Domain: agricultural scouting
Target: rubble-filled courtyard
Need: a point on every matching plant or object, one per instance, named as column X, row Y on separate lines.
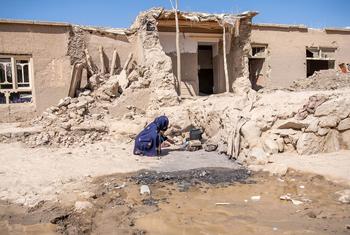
column 266, row 159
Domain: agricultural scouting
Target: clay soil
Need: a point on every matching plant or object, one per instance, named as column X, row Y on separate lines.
column 201, row 201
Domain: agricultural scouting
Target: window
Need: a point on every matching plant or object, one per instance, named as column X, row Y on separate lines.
column 320, row 53
column 15, row 79
column 258, row 51
column 319, row 58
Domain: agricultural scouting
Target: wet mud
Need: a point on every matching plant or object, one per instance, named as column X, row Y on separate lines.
column 201, row 201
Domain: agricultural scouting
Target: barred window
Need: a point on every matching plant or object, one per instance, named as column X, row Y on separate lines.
column 15, row 79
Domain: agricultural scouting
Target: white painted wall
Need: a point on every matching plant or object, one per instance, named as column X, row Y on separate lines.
column 168, row 42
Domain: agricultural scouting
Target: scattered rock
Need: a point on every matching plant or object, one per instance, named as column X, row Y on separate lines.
column 313, row 127
column 144, row 189
column 255, row 198
column 210, row 147
column 257, row 156
column 322, row 131
column 292, row 124
column 309, row 143
column 270, row 145
column 328, row 121
column 345, row 139
column 311, row 214
column 81, row 206
column 344, row 196
column 344, row 124
column 337, row 107
column 331, row 141
column 251, row 132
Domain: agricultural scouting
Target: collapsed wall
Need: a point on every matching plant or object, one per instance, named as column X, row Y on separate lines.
column 96, row 87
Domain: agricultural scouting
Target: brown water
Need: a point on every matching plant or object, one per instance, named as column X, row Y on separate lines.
column 195, row 211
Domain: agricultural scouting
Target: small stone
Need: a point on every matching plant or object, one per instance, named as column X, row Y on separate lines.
column 64, row 102
column 344, row 196
column 270, row 145
column 80, row 206
column 257, row 156
column 86, row 92
column 311, row 214
column 296, row 202
column 322, row 131
column 255, row 198
column 144, row 189
column 344, row 124
column 328, row 121
column 81, row 104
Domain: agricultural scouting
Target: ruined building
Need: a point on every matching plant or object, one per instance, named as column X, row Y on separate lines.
column 39, row 61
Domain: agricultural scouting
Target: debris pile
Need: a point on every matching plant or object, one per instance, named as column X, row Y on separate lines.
column 321, row 125
column 323, row 80
column 77, row 120
column 305, row 123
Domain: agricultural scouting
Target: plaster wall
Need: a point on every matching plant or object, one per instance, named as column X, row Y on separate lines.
column 47, row 46
column 189, row 58
column 286, row 60
column 109, row 43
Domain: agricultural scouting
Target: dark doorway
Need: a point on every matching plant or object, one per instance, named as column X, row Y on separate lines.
column 205, row 70
column 255, row 72
column 317, row 65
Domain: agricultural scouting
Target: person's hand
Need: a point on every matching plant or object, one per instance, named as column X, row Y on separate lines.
column 165, row 144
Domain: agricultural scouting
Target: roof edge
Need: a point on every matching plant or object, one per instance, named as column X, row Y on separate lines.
column 34, row 22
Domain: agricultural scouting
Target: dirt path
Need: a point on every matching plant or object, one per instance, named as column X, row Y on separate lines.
column 334, row 166
column 29, row 175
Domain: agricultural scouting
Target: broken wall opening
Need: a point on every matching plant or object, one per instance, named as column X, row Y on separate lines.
column 256, row 66
column 316, row 65
column 319, row 58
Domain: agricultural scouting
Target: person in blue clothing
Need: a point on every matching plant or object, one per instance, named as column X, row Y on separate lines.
column 149, row 141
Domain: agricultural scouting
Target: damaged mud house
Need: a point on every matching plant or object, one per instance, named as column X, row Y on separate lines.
column 78, row 84
column 261, row 96
column 40, row 60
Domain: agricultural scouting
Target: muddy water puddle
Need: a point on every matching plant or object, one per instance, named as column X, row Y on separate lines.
column 203, row 201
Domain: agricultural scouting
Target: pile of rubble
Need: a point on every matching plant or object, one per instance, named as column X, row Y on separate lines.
column 78, row 120
column 282, row 121
column 323, row 80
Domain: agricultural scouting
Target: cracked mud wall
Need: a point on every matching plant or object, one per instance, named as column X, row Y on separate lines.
column 237, row 59
column 53, row 50
column 287, row 46
column 47, row 46
column 152, row 56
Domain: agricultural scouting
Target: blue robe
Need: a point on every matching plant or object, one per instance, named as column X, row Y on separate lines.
column 148, row 141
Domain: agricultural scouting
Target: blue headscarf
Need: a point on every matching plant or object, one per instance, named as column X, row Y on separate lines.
column 162, row 123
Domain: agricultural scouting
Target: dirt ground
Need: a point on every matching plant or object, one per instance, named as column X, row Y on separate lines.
column 77, row 191
column 29, row 175
column 203, row 201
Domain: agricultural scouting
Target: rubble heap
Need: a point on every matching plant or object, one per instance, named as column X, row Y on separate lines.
column 323, row 80
column 282, row 121
column 78, row 120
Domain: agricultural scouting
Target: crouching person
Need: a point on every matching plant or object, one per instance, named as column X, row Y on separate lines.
column 149, row 141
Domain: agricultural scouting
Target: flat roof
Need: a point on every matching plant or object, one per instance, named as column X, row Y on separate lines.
column 33, row 22
column 282, row 26
column 299, row 27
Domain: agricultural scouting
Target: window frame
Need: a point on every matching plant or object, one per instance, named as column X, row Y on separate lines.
column 15, row 88
column 320, row 53
column 258, row 45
